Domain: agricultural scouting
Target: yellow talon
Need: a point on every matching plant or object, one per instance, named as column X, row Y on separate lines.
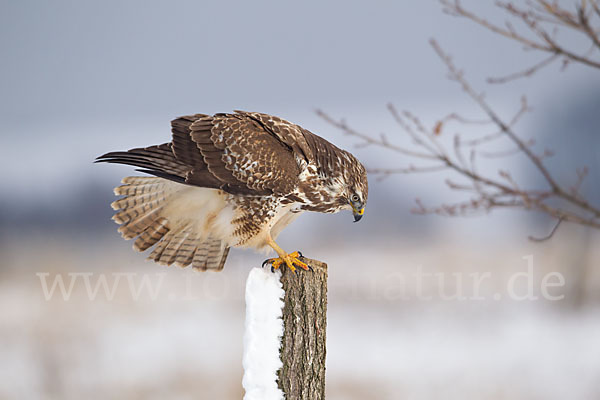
column 291, row 260
column 275, row 262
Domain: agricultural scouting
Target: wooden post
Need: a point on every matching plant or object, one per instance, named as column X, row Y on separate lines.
column 302, row 352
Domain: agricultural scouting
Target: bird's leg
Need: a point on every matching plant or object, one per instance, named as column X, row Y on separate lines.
column 291, row 260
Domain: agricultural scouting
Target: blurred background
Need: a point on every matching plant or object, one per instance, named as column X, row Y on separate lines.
column 81, row 78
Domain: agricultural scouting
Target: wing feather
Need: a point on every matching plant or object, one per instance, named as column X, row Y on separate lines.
column 242, row 153
column 156, row 160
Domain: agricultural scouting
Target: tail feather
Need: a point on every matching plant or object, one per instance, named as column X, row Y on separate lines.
column 185, row 255
column 211, row 255
column 223, row 259
column 134, row 208
column 156, row 254
column 151, row 235
column 136, row 223
column 133, row 201
column 144, row 214
column 169, row 255
column 199, row 260
column 139, row 185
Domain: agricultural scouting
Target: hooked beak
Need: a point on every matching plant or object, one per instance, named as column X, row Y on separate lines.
column 358, row 214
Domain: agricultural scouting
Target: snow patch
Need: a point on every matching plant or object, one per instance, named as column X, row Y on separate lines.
column 262, row 335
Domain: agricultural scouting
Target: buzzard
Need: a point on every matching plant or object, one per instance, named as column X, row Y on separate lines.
column 231, row 180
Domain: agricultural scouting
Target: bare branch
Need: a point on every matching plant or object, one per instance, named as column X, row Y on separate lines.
column 539, row 13
column 489, row 192
column 549, row 235
column 368, row 140
column 505, row 153
column 458, row 76
column 581, row 175
column 524, row 73
column 408, row 170
column 505, row 128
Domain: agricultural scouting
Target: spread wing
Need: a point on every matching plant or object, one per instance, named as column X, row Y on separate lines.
column 242, row 153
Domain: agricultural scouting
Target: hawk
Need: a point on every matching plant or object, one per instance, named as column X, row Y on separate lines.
column 231, row 180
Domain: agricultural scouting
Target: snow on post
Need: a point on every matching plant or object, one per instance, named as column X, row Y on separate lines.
column 262, row 335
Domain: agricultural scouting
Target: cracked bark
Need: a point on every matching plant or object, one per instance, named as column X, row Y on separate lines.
column 304, row 326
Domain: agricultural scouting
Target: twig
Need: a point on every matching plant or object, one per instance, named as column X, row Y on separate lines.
column 524, row 73
column 549, row 235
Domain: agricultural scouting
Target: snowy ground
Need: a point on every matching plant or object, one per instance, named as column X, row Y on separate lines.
column 184, row 340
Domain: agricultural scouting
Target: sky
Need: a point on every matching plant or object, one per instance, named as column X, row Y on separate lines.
column 80, row 78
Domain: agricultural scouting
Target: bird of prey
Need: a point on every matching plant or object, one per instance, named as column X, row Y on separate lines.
column 231, row 180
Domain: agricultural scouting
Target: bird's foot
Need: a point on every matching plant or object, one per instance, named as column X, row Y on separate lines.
column 292, row 261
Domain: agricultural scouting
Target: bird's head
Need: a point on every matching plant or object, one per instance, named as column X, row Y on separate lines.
column 357, row 190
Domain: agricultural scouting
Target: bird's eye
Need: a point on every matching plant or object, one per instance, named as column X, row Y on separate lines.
column 354, row 198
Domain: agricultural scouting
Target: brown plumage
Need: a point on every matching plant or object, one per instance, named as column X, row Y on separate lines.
column 230, row 180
